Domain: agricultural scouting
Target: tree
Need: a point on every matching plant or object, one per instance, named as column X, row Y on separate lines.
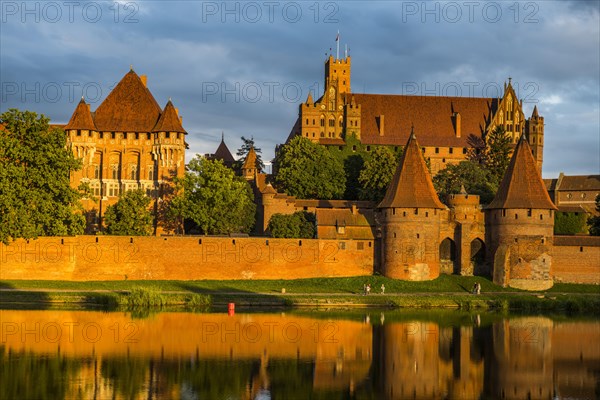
column 299, row 225
column 242, row 152
column 377, row 174
column 308, row 171
column 217, row 200
column 594, row 222
column 495, row 156
column 474, row 177
column 130, row 215
column 36, row 198
column 569, row 223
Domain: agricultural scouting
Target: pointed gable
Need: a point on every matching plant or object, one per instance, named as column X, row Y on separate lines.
column 130, row 107
column 250, row 161
column 223, row 153
column 522, row 185
column 411, row 186
column 169, row 120
column 81, row 118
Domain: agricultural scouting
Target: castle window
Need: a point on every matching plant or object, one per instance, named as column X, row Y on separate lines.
column 322, row 134
column 96, row 171
column 451, row 150
column 306, row 121
column 133, row 172
column 504, row 213
column 516, row 216
column 404, row 213
column 151, row 176
column 541, row 217
column 581, row 249
column 583, row 195
column 115, row 171
column 313, row 121
column 416, row 211
column 393, row 211
column 78, row 132
column 529, row 212
column 569, row 195
column 113, row 135
column 426, row 214
column 137, row 136
column 394, row 235
column 368, row 148
column 322, row 121
column 340, row 123
column 331, row 123
column 313, row 134
column 354, row 148
column 418, row 236
column 443, row 160
column 340, row 148
column 543, row 241
column 369, row 244
column 464, row 150
column 437, row 150
column 534, row 129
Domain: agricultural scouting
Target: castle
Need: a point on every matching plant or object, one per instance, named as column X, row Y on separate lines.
column 448, row 126
column 128, row 143
column 131, row 142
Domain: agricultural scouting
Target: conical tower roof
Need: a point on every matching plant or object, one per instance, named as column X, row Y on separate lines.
column 130, row 107
column 411, row 186
column 522, row 185
column 169, row 120
column 81, row 118
column 250, row 161
column 223, row 152
column 535, row 114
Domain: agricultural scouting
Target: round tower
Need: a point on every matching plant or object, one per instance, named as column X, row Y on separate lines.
column 519, row 225
column 411, row 214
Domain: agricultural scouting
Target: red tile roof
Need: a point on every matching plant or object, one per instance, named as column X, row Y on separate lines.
column 344, row 217
column 432, row 117
column 522, row 185
column 579, row 182
column 130, row 107
column 411, row 186
column 81, row 118
column 169, row 120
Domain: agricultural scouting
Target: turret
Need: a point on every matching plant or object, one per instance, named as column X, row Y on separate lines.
column 534, row 129
column 249, row 169
column 519, row 225
column 411, row 214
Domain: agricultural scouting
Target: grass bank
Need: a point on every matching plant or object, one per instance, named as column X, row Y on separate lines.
column 448, row 291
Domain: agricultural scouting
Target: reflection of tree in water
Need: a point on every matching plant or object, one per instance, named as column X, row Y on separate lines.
column 27, row 375
column 127, row 375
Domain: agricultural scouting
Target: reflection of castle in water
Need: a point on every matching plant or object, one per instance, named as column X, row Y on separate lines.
column 178, row 355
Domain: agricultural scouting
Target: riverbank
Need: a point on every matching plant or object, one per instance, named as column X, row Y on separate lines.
column 448, row 291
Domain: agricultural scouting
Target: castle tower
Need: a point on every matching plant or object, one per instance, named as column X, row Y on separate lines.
column 411, row 214
column 249, row 169
column 519, row 225
column 337, row 74
column 534, row 129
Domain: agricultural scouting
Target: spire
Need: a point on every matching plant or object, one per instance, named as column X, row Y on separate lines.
column 169, row 120
column 411, row 186
column 81, row 118
column 222, row 137
column 222, row 153
column 522, row 185
column 309, row 99
column 535, row 114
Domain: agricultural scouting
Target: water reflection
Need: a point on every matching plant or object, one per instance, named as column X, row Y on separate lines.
column 82, row 354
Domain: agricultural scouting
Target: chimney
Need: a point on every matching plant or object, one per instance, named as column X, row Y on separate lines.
column 457, row 124
column 381, row 124
column 144, row 79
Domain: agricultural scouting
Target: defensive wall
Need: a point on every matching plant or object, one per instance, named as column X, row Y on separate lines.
column 575, row 259
column 84, row 258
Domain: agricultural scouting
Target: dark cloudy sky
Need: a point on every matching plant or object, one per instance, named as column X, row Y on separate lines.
column 243, row 67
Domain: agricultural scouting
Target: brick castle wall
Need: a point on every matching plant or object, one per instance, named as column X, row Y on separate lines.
column 83, row 258
column 576, row 259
